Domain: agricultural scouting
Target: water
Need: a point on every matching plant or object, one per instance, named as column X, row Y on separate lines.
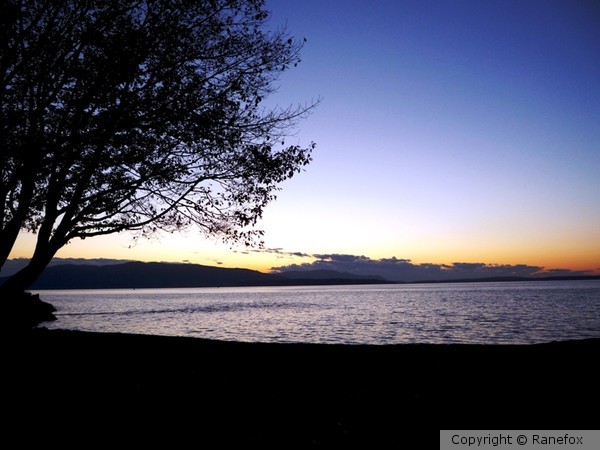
column 513, row 313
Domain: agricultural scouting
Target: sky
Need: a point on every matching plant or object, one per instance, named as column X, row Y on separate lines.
column 452, row 136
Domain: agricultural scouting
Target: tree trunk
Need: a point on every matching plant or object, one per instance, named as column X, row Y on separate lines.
column 23, row 279
column 22, row 309
column 8, row 237
column 10, row 231
column 49, row 241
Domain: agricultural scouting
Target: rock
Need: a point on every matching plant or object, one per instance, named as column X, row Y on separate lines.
column 24, row 310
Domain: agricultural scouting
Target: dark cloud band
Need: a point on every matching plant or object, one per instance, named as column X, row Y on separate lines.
column 395, row 269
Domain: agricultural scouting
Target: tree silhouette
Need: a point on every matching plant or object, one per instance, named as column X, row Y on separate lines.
column 139, row 115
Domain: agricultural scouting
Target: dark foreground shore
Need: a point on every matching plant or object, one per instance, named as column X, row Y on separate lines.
column 65, row 386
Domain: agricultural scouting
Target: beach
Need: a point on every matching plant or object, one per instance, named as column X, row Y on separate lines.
column 139, row 388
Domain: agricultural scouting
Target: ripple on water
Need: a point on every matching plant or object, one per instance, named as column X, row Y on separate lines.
column 445, row 313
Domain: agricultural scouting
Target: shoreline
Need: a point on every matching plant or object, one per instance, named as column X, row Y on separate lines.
column 302, row 394
column 42, row 330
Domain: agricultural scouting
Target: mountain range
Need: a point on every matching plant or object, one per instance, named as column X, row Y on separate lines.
column 119, row 274
column 130, row 275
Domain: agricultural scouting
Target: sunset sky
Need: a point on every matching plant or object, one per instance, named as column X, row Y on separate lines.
column 448, row 132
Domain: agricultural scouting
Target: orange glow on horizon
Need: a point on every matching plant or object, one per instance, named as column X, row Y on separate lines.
column 211, row 253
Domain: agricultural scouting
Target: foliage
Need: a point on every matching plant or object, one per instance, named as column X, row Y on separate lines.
column 140, row 115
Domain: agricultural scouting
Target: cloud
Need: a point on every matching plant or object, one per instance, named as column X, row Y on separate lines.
column 212, row 260
column 567, row 272
column 278, row 252
column 395, row 269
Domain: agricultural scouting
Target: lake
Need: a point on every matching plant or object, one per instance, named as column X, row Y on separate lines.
column 482, row 313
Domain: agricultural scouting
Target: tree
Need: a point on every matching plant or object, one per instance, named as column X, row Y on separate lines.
column 139, row 115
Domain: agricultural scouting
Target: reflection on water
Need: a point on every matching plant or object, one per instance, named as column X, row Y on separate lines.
column 524, row 312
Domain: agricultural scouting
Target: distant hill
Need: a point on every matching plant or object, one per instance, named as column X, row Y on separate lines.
column 12, row 266
column 147, row 275
column 328, row 274
column 510, row 279
column 130, row 275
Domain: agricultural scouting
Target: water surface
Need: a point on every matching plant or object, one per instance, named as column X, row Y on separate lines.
column 510, row 312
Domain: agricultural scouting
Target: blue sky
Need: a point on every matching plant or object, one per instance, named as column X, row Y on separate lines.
column 448, row 131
